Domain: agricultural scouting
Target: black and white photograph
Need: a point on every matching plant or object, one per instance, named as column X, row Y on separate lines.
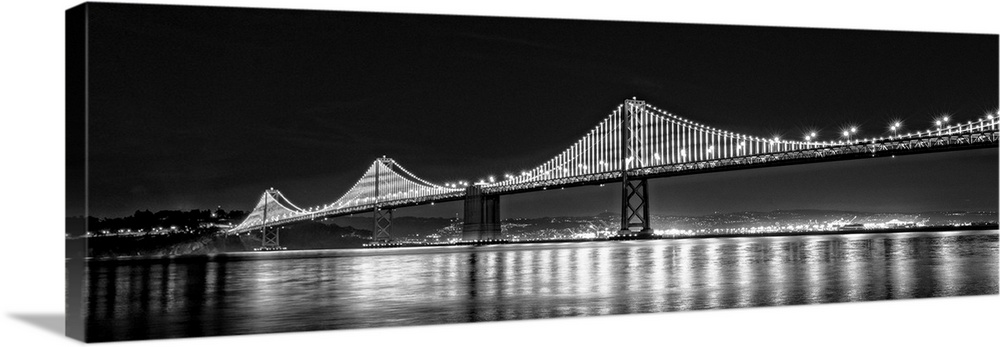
column 237, row 170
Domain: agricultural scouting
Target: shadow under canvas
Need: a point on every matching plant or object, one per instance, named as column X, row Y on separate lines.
column 52, row 322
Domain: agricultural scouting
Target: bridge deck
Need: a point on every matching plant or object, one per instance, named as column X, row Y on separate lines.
column 857, row 150
column 874, row 149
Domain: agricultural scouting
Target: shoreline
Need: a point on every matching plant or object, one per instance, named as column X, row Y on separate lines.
column 450, row 247
column 703, row 236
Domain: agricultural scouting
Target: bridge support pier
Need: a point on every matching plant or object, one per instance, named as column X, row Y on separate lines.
column 269, row 238
column 482, row 216
column 635, row 207
column 382, row 231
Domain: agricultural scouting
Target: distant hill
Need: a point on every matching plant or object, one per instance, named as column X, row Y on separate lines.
column 806, row 216
column 439, row 229
column 353, row 232
column 305, row 235
column 409, row 227
column 316, row 235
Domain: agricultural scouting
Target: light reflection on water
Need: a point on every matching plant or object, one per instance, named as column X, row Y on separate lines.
column 352, row 289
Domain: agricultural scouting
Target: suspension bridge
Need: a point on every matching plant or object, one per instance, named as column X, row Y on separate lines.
column 634, row 143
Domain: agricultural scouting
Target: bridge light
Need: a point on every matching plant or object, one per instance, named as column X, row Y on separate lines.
column 492, row 179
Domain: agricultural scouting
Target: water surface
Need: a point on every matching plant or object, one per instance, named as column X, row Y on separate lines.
column 392, row 287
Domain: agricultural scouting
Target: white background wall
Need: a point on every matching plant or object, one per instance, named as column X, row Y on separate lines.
column 32, row 203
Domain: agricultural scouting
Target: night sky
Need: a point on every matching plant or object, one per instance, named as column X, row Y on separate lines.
column 198, row 107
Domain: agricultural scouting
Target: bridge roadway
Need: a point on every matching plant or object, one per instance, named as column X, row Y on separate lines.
column 874, row 149
column 857, row 150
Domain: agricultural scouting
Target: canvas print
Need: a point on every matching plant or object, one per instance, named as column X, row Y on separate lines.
column 244, row 171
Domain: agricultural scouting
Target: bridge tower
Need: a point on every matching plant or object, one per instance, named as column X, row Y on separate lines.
column 382, row 226
column 269, row 238
column 635, row 193
column 482, row 215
